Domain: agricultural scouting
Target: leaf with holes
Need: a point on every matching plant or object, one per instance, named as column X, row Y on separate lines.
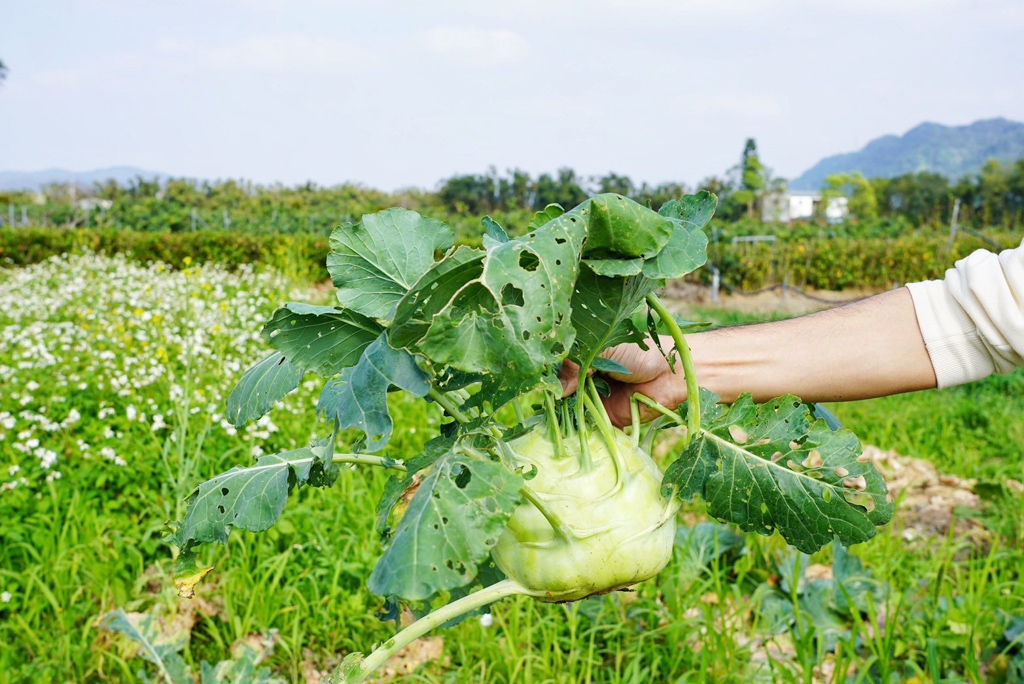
column 359, row 396
column 374, row 262
column 511, row 319
column 323, row 339
column 262, row 385
column 432, row 293
column 249, row 498
column 402, row 487
column 453, row 520
column 771, row 466
column 544, row 216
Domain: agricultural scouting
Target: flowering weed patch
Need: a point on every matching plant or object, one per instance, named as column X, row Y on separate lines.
column 100, row 355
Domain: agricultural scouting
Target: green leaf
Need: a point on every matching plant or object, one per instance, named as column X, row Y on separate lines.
column 853, row 586
column 452, row 522
column 544, row 216
column 242, row 667
column 373, row 263
column 260, row 387
column 144, row 630
column 615, row 267
column 432, row 293
column 398, row 484
column 694, row 211
column 619, row 228
column 772, row 466
column 498, row 390
column 601, row 313
column 686, row 251
column 495, row 234
column 249, row 498
column 323, row 339
column 604, row 365
column 359, row 396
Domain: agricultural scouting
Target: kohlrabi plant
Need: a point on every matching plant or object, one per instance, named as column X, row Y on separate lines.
column 524, row 491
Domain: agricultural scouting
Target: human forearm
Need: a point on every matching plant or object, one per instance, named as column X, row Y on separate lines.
column 868, row 349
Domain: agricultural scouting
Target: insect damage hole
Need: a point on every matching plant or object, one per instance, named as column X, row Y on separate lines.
column 461, row 475
column 512, row 296
column 528, row 261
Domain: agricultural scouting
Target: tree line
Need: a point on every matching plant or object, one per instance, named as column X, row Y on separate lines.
column 994, row 197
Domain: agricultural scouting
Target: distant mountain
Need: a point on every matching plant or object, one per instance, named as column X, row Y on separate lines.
column 953, row 151
column 33, row 180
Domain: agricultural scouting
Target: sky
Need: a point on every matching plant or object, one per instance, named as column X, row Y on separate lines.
column 397, row 94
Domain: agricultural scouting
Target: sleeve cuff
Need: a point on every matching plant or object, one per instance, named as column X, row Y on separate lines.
column 956, row 350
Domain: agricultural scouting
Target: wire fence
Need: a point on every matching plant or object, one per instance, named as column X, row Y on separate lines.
column 718, row 283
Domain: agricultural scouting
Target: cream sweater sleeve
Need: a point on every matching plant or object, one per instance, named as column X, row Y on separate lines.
column 973, row 321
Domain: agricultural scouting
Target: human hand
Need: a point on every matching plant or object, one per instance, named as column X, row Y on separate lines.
column 651, row 375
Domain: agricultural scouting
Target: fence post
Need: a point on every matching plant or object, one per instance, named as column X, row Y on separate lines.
column 10, row 215
column 24, row 215
column 785, row 286
column 716, row 282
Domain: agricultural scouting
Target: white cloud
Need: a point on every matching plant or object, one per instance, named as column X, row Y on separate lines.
column 477, row 47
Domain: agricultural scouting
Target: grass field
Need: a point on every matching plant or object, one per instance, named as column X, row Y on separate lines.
column 112, row 385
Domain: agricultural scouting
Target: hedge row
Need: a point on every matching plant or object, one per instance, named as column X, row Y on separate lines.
column 828, row 264
column 835, row 264
column 300, row 255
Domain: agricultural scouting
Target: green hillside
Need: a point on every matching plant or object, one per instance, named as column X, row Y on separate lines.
column 952, row 151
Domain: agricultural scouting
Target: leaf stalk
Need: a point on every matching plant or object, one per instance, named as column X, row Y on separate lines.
column 479, row 599
column 689, row 368
column 447, row 404
column 368, row 459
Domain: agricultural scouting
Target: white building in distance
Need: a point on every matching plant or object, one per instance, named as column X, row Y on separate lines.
column 796, row 205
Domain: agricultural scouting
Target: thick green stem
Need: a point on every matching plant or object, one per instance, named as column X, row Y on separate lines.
column 389, row 648
column 634, row 416
column 553, row 519
column 604, row 426
column 647, row 440
column 446, row 403
column 367, row 459
column 586, row 462
column 668, row 413
column 554, row 434
column 518, row 408
column 689, row 368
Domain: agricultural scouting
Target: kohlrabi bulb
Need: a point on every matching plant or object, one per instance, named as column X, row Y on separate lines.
column 620, row 532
